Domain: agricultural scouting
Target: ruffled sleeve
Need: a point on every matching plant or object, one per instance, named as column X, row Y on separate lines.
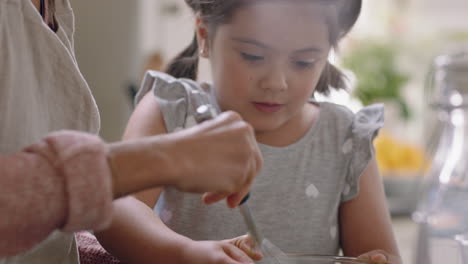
column 177, row 98
column 359, row 146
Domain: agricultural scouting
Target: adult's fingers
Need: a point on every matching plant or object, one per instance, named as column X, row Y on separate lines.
column 223, row 119
column 211, row 198
column 254, row 168
column 233, row 200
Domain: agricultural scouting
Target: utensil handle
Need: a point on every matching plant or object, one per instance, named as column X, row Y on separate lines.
column 245, row 199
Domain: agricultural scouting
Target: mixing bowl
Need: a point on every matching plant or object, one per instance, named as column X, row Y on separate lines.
column 314, row 259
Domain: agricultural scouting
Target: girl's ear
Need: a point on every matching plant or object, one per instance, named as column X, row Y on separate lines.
column 202, row 38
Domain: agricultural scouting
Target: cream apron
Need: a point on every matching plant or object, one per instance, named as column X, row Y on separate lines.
column 41, row 90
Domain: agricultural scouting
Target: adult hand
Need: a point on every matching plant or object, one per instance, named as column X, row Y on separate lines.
column 220, row 156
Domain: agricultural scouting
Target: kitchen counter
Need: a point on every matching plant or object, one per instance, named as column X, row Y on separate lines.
column 405, row 232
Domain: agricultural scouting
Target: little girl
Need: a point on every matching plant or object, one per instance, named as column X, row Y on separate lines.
column 320, row 189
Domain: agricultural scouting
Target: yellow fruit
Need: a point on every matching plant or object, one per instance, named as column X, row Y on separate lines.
column 396, row 156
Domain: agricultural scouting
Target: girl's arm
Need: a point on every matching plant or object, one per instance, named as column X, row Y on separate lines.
column 137, row 234
column 365, row 221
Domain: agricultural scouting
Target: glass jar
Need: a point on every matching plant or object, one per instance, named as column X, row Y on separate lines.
column 442, row 213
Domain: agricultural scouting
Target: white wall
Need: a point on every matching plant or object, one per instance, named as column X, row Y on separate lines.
column 437, row 15
column 112, row 40
column 168, row 26
column 107, row 49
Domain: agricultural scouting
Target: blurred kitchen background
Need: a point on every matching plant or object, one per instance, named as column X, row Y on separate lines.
column 388, row 56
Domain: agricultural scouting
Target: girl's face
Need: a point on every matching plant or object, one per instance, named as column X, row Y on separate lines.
column 268, row 60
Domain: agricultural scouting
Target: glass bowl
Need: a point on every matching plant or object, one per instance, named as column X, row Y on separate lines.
column 316, row 259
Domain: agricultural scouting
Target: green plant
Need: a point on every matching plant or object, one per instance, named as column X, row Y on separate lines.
column 378, row 76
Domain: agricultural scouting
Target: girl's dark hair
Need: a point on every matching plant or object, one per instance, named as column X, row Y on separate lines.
column 217, row 12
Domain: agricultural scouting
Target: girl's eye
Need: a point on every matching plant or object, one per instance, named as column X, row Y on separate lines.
column 250, row 57
column 304, row 64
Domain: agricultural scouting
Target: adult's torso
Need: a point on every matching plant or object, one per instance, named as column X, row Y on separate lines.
column 41, row 90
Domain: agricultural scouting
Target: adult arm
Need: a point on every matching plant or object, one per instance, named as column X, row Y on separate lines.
column 67, row 180
column 63, row 181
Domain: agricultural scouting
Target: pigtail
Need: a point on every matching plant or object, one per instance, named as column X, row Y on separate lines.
column 331, row 77
column 185, row 65
column 347, row 14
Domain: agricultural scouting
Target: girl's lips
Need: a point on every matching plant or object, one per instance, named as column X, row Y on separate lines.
column 267, row 107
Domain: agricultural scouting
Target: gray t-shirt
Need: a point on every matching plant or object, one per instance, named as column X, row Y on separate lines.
column 295, row 199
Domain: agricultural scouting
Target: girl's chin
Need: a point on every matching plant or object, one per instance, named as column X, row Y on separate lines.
column 265, row 128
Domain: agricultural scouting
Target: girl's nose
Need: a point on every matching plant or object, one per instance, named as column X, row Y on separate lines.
column 275, row 79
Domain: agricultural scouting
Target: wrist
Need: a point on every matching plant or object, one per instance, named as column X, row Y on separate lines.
column 172, row 163
column 175, row 161
column 184, row 253
column 140, row 164
column 114, row 171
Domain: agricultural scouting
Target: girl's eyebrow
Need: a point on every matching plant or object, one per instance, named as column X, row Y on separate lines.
column 307, row 50
column 262, row 45
column 251, row 41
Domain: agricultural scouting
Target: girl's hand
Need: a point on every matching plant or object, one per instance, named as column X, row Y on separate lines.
column 380, row 257
column 214, row 252
column 246, row 244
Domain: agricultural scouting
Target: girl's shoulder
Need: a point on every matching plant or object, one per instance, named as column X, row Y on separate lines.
column 341, row 128
column 166, row 86
column 350, row 137
column 178, row 98
column 372, row 115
